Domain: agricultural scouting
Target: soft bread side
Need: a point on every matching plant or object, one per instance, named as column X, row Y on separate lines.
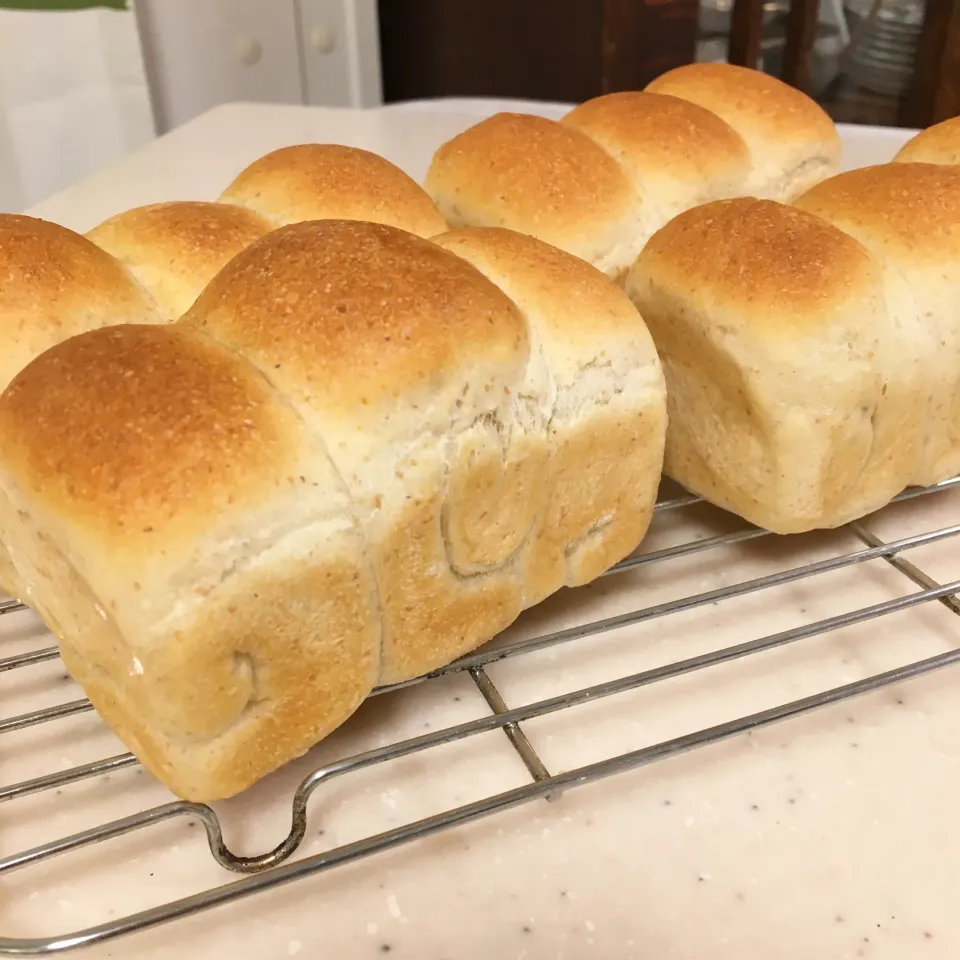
column 908, row 214
column 793, row 143
column 794, row 362
column 937, row 144
column 175, row 249
column 183, row 533
column 326, row 181
column 602, row 406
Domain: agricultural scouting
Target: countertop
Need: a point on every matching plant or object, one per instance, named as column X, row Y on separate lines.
column 828, row 836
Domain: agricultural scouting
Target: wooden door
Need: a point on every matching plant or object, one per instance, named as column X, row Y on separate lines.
column 566, row 50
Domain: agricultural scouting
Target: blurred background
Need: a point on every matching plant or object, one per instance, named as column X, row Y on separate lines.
column 81, row 83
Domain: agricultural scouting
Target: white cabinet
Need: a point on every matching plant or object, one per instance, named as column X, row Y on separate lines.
column 201, row 53
column 340, row 52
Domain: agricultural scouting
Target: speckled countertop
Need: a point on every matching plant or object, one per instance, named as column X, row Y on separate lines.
column 828, row 836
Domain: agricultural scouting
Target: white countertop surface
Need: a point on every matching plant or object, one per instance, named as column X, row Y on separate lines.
column 827, row 837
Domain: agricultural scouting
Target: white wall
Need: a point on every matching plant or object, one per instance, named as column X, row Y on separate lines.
column 73, row 96
column 80, row 88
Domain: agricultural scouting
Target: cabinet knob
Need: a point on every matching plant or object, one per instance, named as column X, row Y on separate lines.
column 249, row 49
column 323, row 38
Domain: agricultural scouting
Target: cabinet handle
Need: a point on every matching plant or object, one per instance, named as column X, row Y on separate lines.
column 249, row 49
column 323, row 39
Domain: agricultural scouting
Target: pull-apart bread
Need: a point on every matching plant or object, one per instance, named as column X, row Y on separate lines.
column 908, row 216
column 792, row 141
column 797, row 365
column 175, row 249
column 359, row 455
column 937, row 144
column 615, row 169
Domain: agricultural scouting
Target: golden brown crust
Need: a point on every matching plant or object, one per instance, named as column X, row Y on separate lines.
column 663, row 136
column 776, row 266
column 324, row 181
column 138, row 421
column 535, row 176
column 793, row 143
column 937, row 144
column 356, row 313
column 579, row 301
column 175, row 249
column 915, row 207
column 54, row 284
column 741, row 96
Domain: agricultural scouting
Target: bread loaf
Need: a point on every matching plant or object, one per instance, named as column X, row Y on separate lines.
column 792, row 141
column 603, row 179
column 908, row 215
column 55, row 284
column 937, row 144
column 797, row 366
column 332, row 472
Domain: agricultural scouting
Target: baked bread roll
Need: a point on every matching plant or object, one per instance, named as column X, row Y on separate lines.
column 796, row 364
column 55, row 284
column 330, row 473
column 182, row 532
column 615, row 169
column 326, row 181
column 175, row 249
column 793, row 143
column 908, row 214
column 535, row 176
column 677, row 154
column 937, row 144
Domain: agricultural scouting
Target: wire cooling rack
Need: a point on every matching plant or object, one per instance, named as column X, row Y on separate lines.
column 276, row 867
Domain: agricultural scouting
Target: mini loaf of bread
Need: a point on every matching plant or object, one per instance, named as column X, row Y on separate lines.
column 175, row 249
column 603, row 179
column 357, row 456
column 55, row 284
column 797, row 366
column 535, row 176
column 792, row 141
column 327, row 181
column 937, row 144
column 908, row 214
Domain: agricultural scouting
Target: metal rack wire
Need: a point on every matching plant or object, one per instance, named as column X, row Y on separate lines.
column 271, row 869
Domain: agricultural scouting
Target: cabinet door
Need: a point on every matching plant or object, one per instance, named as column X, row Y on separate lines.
column 340, row 52
column 202, row 54
column 566, row 50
